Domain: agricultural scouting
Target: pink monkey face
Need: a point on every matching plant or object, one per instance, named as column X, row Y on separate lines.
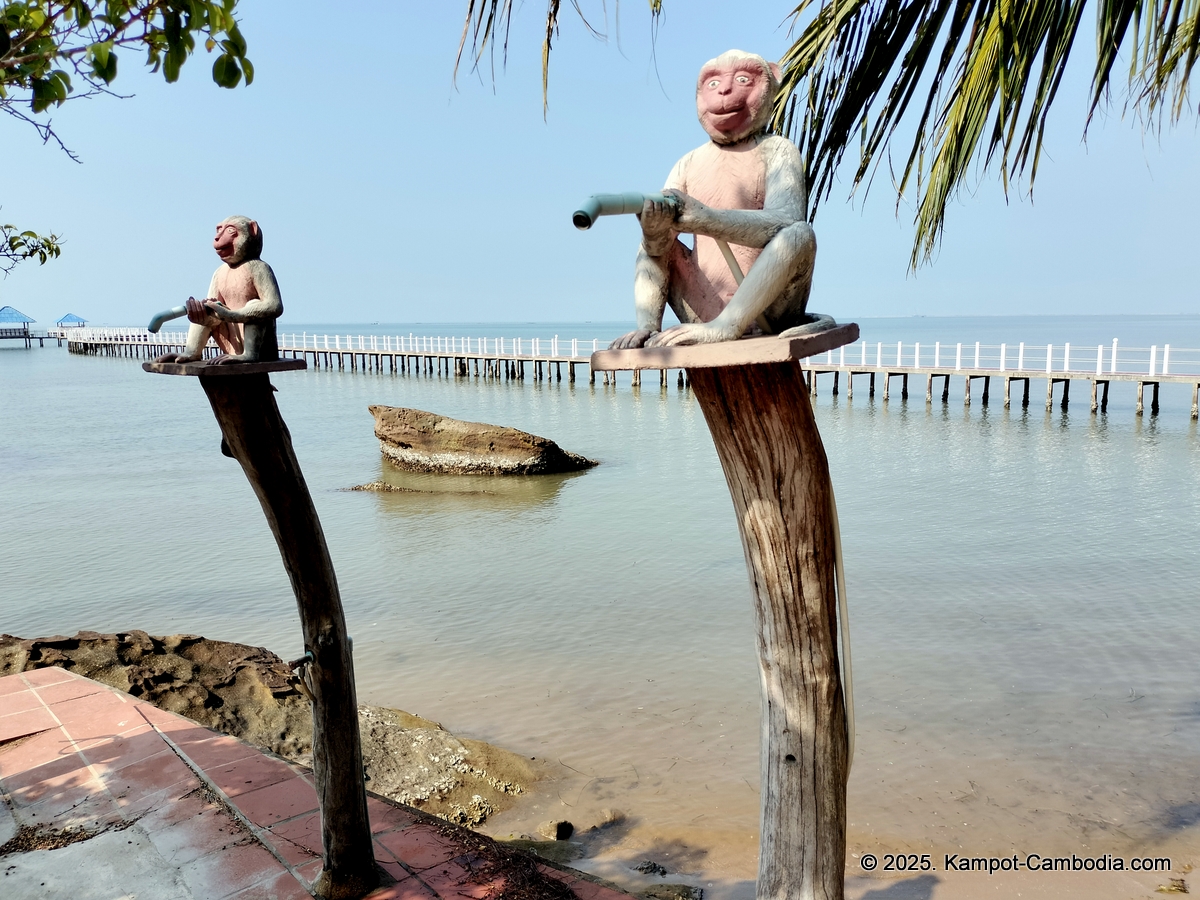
column 729, row 98
column 225, row 243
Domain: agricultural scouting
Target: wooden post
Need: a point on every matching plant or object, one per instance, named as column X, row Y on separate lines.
column 762, row 424
column 756, row 403
column 254, row 434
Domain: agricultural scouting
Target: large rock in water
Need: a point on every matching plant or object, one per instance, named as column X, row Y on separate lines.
column 427, row 442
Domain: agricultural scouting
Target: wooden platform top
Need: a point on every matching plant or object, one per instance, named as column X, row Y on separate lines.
column 744, row 352
column 207, row 369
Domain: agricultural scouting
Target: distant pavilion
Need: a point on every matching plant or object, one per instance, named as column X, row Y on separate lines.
column 70, row 320
column 14, row 325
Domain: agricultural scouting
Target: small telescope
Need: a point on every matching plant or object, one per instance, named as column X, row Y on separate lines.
column 613, row 205
column 157, row 322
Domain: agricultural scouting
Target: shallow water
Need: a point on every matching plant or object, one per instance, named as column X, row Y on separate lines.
column 1022, row 587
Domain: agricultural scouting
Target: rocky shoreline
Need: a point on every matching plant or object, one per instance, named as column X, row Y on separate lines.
column 250, row 693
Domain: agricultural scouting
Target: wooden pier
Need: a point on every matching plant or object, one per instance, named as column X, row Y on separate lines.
column 880, row 364
column 500, row 358
column 1144, row 367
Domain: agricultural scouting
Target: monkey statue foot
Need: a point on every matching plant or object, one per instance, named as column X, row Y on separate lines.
column 817, row 322
column 176, row 358
column 632, row 341
column 693, row 333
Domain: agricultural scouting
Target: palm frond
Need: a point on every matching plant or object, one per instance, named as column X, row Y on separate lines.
column 488, row 23
column 1164, row 58
column 857, row 65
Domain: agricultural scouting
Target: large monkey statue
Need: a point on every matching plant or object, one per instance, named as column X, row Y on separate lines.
column 243, row 301
column 744, row 187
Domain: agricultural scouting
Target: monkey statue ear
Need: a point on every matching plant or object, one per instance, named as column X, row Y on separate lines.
column 776, row 71
column 254, row 225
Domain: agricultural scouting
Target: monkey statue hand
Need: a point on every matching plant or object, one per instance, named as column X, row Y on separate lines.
column 696, row 333
column 658, row 226
column 690, row 213
column 198, row 313
column 633, row 340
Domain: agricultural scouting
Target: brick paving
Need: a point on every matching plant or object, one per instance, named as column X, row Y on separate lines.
column 77, row 754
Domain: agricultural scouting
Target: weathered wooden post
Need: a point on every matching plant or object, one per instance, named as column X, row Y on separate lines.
column 756, row 404
column 254, row 434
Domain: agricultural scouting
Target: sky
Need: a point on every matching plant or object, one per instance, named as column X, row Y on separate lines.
column 388, row 193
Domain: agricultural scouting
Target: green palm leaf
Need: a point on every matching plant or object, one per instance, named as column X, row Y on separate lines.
column 856, row 66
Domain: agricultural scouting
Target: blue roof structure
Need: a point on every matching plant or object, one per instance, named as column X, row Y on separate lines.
column 71, row 319
column 8, row 314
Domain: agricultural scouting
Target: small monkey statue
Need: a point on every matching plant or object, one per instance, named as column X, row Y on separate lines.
column 744, row 187
column 243, row 301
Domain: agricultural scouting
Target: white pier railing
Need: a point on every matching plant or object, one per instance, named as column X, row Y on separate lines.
column 1031, row 359
column 442, row 345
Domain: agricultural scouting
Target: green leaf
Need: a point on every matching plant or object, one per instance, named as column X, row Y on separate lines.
column 226, row 72
column 109, row 71
column 43, row 97
column 249, row 70
column 236, row 39
column 173, row 62
column 99, row 53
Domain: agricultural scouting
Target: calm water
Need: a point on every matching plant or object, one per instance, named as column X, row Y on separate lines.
column 1023, row 586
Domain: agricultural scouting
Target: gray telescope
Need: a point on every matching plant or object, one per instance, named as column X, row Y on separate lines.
column 157, row 322
column 612, row 205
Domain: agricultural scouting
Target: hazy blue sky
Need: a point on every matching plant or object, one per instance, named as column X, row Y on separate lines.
column 387, row 195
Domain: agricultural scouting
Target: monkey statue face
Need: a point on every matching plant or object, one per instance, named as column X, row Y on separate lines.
column 733, row 95
column 238, row 239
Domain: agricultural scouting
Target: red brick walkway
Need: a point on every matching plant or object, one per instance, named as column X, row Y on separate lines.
column 92, row 757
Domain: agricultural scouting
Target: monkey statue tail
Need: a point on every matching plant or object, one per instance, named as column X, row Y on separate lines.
column 817, row 322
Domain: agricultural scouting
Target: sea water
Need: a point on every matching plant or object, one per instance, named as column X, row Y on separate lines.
column 1022, row 584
